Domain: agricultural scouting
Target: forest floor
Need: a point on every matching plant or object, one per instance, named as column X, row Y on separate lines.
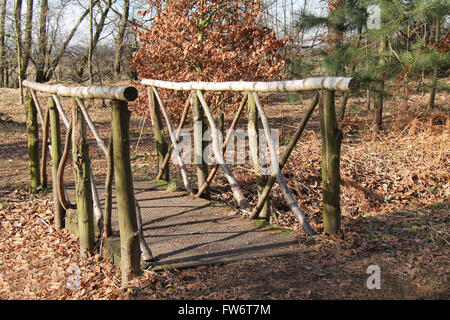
column 394, row 197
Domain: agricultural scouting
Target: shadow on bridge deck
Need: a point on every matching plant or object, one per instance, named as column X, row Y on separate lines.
column 183, row 231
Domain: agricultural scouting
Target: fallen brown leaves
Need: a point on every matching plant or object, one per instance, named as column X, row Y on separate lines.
column 35, row 258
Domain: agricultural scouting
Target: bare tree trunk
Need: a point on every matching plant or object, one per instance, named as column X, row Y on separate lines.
column 18, row 27
column 120, row 37
column 42, row 43
column 26, row 54
column 3, row 82
column 95, row 39
column 435, row 71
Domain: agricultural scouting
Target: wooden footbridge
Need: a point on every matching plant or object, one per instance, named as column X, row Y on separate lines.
column 142, row 220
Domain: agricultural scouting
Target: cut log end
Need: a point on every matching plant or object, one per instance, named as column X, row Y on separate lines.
column 130, row 93
column 353, row 85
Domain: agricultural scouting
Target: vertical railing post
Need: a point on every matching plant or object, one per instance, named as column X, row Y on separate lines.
column 81, row 162
column 160, row 140
column 129, row 240
column 55, row 130
column 33, row 144
column 199, row 145
column 44, row 150
column 253, row 142
column 331, row 149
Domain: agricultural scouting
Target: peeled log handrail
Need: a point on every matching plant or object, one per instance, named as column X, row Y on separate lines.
column 326, row 83
column 121, row 93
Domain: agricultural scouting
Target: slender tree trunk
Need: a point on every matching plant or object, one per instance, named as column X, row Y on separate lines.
column 378, row 100
column 26, row 54
column 120, row 37
column 435, row 71
column 59, row 211
column 33, row 144
column 3, row 71
column 18, row 36
column 129, row 234
column 95, row 39
column 81, row 163
column 42, row 43
column 331, row 152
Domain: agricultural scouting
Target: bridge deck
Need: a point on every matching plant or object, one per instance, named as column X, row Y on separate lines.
column 183, row 231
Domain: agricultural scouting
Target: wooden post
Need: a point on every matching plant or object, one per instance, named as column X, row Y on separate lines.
column 44, row 150
column 108, row 188
column 331, row 149
column 158, row 132
column 129, row 235
column 287, row 152
column 225, row 142
column 81, row 162
column 56, row 157
column 199, row 145
column 33, row 144
column 177, row 136
column 253, row 141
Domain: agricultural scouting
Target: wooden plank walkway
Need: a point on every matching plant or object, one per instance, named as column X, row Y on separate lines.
column 183, row 231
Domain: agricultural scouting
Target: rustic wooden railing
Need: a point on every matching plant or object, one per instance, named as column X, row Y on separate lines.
column 331, row 139
column 117, row 152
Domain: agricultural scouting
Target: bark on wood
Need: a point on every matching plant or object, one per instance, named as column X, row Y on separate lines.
column 59, row 212
column 63, row 199
column 61, row 110
column 227, row 138
column 129, row 235
column 199, row 145
column 108, row 188
column 275, row 167
column 98, row 215
column 33, row 144
column 3, row 66
column 81, row 163
column 437, row 37
column 328, row 83
column 253, row 142
column 120, row 37
column 235, row 187
column 121, row 93
column 158, row 133
column 284, row 157
column 174, row 142
column 44, row 150
column 180, row 126
column 331, row 149
column 145, row 249
column 91, row 125
column 38, row 106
